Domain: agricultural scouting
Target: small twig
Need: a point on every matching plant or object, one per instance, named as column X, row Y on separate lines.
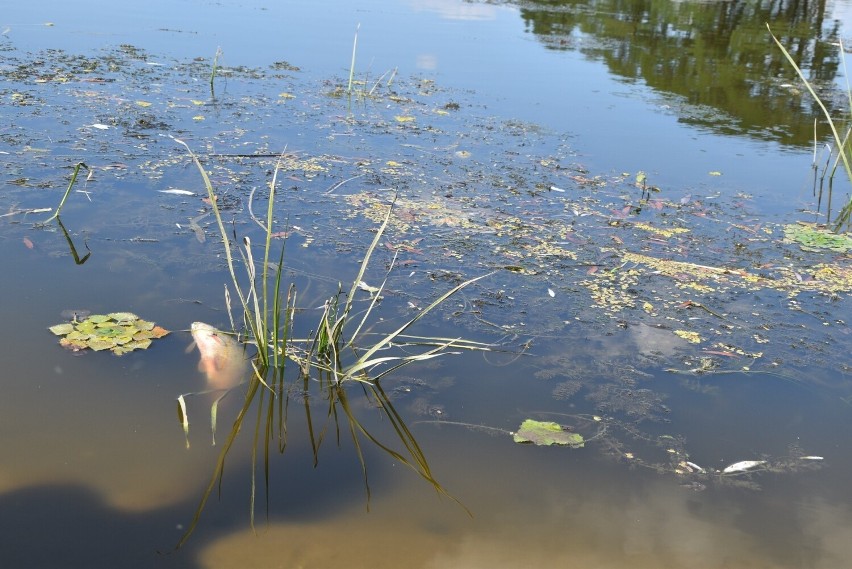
column 468, row 425
column 338, row 184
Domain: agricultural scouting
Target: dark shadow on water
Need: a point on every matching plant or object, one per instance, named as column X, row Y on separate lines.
column 70, row 526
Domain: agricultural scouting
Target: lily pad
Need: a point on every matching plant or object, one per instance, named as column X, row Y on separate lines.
column 123, row 316
column 120, row 332
column 62, row 329
column 544, row 433
column 811, row 237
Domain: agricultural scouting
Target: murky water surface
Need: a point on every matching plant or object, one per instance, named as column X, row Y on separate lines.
column 626, row 171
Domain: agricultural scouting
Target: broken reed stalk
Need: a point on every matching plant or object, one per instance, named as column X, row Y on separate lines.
column 845, row 215
column 214, row 69
column 352, row 65
column 67, row 191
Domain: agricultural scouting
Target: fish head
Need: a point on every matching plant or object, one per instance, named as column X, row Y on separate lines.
column 222, row 358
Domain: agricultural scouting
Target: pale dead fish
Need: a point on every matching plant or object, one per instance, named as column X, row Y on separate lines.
column 177, row 192
column 742, row 466
column 223, row 359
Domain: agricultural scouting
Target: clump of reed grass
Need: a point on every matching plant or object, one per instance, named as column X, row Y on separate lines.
column 842, row 143
column 364, row 92
column 329, row 360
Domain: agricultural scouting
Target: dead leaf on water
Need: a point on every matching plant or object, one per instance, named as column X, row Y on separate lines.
column 546, row 433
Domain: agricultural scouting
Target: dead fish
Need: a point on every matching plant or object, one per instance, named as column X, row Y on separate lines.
column 742, row 466
column 223, row 359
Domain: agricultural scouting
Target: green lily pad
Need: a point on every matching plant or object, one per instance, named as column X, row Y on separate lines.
column 811, row 237
column 120, row 332
column 123, row 316
column 546, row 433
column 99, row 345
column 62, row 329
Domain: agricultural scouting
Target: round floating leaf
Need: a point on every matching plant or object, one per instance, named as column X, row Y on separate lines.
column 109, row 332
column 86, row 327
column 547, row 433
column 99, row 345
column 158, row 332
column 123, row 316
column 62, row 329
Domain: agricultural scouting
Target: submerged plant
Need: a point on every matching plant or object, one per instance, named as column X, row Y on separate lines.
column 329, row 360
column 844, row 152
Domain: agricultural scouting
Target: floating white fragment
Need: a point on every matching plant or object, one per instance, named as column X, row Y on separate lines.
column 176, row 192
column 371, row 289
column 555, row 189
column 551, row 293
column 811, row 458
column 742, row 466
column 100, row 126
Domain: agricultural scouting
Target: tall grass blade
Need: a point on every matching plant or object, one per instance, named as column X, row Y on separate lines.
column 219, row 470
column 67, row 191
column 214, row 69
column 352, row 65
column 77, row 259
column 183, row 418
column 844, row 215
